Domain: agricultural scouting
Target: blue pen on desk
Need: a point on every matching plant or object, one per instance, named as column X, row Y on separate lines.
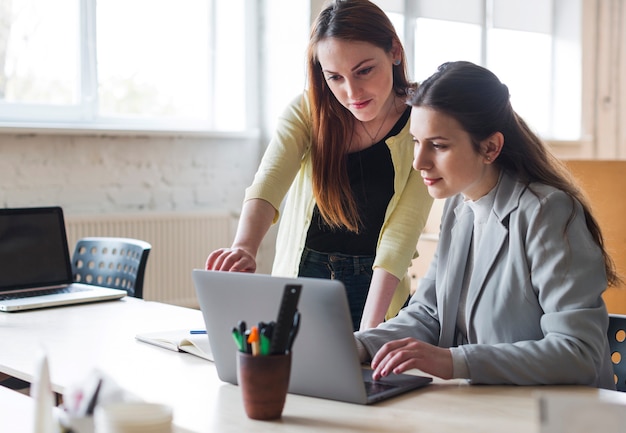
column 198, row 331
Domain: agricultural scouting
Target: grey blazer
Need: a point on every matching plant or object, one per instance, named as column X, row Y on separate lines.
column 534, row 309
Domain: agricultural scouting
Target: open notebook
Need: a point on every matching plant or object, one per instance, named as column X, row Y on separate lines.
column 179, row 340
column 325, row 361
column 35, row 264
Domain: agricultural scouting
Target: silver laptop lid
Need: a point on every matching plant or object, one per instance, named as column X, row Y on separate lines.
column 325, row 361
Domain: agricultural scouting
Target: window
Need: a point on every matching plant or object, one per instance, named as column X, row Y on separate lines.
column 192, row 64
column 126, row 64
column 534, row 46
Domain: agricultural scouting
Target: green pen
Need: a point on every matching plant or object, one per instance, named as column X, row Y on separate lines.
column 265, row 345
column 266, row 337
column 238, row 339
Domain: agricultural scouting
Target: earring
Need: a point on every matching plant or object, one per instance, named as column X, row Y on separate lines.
column 396, row 62
column 488, row 158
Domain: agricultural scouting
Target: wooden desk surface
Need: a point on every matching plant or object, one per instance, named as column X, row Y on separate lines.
column 80, row 338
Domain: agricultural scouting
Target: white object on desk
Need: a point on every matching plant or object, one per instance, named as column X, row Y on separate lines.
column 133, row 417
column 561, row 413
column 41, row 391
column 82, row 398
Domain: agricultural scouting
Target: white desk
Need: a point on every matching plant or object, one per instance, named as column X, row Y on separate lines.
column 16, row 411
column 79, row 338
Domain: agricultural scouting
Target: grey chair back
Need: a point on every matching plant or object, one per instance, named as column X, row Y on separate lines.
column 119, row 263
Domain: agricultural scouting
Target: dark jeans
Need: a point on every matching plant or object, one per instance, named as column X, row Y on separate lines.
column 355, row 272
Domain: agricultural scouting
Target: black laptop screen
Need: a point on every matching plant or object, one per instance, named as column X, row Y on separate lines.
column 33, row 249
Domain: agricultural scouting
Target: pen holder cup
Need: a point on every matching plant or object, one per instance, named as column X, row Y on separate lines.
column 264, row 380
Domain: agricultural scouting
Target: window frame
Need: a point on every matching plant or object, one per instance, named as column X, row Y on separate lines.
column 82, row 118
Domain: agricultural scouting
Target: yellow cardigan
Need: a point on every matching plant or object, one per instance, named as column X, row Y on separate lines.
column 286, row 167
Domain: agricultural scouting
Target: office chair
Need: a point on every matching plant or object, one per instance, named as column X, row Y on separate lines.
column 617, row 344
column 119, row 263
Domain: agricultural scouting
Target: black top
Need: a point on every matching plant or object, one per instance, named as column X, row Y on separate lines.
column 371, row 175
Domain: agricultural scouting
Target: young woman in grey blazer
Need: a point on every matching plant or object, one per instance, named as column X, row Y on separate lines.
column 514, row 292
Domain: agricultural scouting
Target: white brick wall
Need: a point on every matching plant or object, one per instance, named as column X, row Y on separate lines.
column 89, row 175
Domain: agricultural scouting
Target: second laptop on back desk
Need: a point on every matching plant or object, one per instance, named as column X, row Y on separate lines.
column 325, row 361
column 35, row 263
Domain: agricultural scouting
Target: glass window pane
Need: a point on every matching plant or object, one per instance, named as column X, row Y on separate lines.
column 438, row 41
column 523, row 61
column 230, row 66
column 153, row 58
column 526, row 15
column 464, row 11
column 398, row 23
column 39, row 51
column 396, row 6
column 567, row 75
column 284, row 59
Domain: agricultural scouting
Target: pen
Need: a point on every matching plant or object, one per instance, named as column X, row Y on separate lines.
column 266, row 338
column 198, row 331
column 94, row 398
column 243, row 332
column 253, row 340
column 242, row 327
column 77, row 400
column 238, row 339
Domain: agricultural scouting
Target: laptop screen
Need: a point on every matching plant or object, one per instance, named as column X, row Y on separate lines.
column 33, row 249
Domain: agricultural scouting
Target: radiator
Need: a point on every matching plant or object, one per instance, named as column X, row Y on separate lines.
column 180, row 242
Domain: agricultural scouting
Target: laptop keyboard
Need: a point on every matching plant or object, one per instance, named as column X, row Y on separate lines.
column 22, row 295
column 374, row 387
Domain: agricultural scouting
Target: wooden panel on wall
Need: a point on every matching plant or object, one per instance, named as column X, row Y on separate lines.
column 604, row 183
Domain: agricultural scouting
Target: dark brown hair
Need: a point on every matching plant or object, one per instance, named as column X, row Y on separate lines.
column 476, row 98
column 351, row 20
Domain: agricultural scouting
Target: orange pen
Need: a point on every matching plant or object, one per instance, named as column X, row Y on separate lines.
column 254, row 340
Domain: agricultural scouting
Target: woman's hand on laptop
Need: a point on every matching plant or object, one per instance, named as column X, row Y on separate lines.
column 231, row 259
column 399, row 356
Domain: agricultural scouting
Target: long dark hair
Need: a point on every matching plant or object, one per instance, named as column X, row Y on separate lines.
column 352, row 20
column 476, row 98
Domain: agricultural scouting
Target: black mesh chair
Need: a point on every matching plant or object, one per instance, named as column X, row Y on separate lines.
column 119, row 263
column 617, row 344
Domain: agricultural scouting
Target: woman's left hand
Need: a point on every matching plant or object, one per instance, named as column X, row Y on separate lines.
column 399, row 356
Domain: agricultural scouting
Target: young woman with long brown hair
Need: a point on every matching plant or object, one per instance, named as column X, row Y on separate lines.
column 342, row 155
column 514, row 293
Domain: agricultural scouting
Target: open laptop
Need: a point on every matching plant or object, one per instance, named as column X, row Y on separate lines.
column 35, row 264
column 325, row 361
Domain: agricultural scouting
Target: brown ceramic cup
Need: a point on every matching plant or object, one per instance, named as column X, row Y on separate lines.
column 263, row 380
